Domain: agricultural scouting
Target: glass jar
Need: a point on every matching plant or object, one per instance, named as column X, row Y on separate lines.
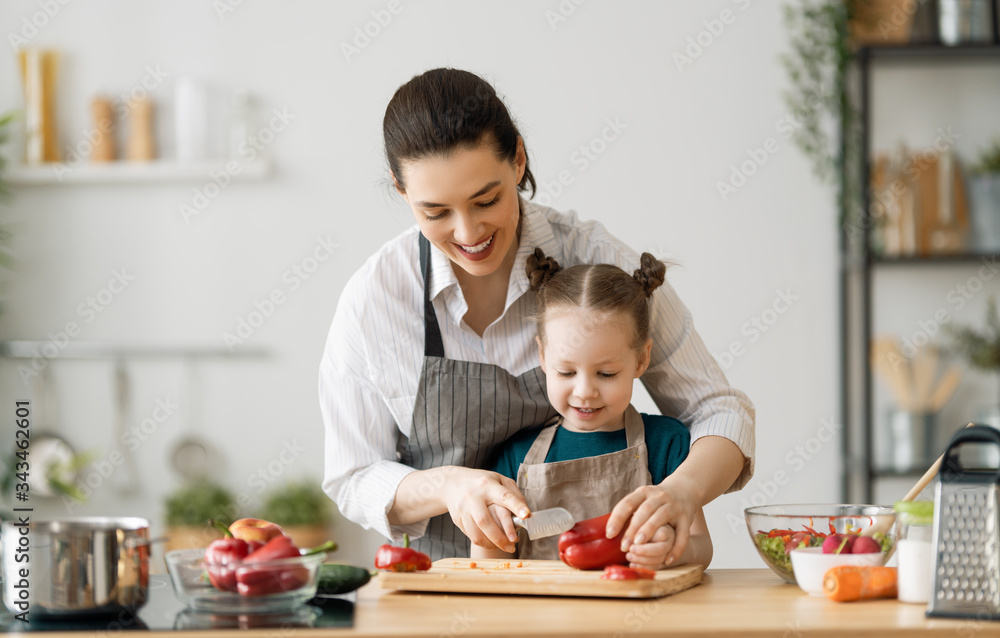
column 914, row 551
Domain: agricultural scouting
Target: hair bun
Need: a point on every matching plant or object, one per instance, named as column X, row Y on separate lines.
column 650, row 273
column 540, row 269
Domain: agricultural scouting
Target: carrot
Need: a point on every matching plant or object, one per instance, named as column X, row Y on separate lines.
column 472, row 564
column 845, row 583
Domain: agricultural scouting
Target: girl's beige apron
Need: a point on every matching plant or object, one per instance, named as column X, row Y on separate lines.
column 587, row 487
column 463, row 412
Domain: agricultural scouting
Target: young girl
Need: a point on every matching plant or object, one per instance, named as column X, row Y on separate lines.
column 593, row 342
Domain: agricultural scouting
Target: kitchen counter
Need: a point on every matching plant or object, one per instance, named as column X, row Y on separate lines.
column 728, row 602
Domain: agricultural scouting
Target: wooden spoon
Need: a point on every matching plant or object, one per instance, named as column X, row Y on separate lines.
column 925, row 364
column 945, row 389
column 888, row 360
column 883, row 524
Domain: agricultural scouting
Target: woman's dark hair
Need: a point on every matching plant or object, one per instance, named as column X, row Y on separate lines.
column 601, row 288
column 444, row 109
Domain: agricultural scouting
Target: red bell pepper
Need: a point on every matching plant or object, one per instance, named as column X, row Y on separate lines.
column 263, row 579
column 219, row 555
column 585, row 546
column 267, row 570
column 401, row 559
column 223, row 555
column 621, row 572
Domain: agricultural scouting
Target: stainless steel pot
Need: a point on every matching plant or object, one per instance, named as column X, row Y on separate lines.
column 81, row 566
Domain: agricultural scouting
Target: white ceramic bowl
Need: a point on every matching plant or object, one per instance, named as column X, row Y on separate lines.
column 810, row 565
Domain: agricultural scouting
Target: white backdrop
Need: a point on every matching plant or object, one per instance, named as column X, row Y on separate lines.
column 764, row 253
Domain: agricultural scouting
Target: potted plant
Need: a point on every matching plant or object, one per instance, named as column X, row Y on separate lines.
column 984, row 196
column 824, row 123
column 981, row 348
column 302, row 509
column 190, row 510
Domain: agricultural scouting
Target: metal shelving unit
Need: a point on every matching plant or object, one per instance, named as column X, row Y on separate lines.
column 858, row 264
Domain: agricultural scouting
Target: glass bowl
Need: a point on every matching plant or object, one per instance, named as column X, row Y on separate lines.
column 283, row 584
column 778, row 529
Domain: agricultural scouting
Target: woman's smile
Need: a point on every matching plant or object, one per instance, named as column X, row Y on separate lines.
column 480, row 250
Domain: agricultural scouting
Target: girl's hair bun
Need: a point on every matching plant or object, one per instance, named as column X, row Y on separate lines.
column 650, row 273
column 540, row 269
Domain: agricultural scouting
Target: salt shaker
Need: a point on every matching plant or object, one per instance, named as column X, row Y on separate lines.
column 104, row 127
column 140, row 146
column 914, row 555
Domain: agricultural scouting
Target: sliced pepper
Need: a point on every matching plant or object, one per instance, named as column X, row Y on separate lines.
column 621, row 572
column 401, row 559
column 586, row 546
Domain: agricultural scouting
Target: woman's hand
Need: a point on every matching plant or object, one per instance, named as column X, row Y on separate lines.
column 673, row 502
column 480, row 504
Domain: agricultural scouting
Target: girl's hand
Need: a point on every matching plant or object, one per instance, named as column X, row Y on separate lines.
column 652, row 555
column 481, row 505
column 651, row 507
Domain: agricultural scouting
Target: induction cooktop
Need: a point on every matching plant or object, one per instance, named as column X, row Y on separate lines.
column 163, row 611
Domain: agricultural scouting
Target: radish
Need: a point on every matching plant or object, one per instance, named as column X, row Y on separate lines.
column 839, row 543
column 865, row 545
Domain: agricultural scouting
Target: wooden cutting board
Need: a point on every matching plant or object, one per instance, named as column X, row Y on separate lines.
column 536, row 577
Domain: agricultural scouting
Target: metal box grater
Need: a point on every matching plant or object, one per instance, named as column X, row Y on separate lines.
column 966, row 527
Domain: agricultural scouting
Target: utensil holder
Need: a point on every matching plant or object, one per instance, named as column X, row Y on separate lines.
column 911, row 437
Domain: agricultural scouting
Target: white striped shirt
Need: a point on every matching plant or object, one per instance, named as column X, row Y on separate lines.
column 374, row 353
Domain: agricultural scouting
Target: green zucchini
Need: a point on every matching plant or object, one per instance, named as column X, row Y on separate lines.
column 335, row 578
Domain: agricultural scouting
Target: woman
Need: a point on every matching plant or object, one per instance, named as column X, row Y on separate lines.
column 431, row 361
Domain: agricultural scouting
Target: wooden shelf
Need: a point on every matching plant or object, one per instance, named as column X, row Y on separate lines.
column 934, row 260
column 924, row 52
column 156, row 172
column 120, row 350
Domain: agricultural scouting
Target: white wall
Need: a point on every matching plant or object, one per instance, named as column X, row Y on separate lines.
column 655, row 187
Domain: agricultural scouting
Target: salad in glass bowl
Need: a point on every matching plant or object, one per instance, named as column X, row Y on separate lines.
column 778, row 529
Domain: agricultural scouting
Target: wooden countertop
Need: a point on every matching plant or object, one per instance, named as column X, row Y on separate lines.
column 728, row 602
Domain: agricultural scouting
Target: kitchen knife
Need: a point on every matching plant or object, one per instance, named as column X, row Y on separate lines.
column 545, row 523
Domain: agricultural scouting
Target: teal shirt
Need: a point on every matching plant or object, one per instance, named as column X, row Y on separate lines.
column 667, row 442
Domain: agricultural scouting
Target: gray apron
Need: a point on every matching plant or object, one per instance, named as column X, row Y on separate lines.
column 463, row 412
column 587, row 487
